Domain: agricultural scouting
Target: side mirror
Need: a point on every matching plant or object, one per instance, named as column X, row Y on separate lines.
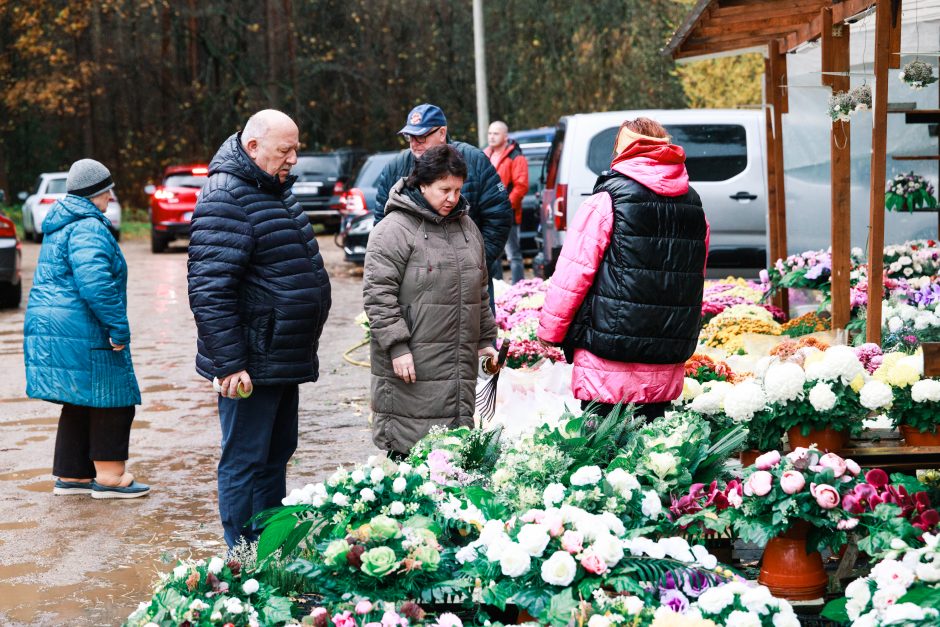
column 150, row 189
column 22, row 196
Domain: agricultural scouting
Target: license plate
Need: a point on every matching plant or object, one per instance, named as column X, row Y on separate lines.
column 306, row 188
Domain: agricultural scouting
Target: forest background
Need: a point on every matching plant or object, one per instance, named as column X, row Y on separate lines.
column 143, row 84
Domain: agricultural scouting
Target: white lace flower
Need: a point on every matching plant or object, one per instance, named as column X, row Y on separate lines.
column 876, row 395
column 821, row 397
column 651, row 506
column 586, row 475
column 783, row 382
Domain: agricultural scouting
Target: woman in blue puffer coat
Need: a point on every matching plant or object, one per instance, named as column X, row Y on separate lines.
column 76, row 340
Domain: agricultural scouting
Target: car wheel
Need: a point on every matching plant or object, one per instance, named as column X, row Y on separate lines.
column 10, row 295
column 157, row 242
column 36, row 237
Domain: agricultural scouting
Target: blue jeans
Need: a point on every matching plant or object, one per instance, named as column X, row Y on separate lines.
column 259, row 435
column 514, row 254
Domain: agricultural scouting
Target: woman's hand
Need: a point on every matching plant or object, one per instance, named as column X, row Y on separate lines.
column 489, row 351
column 404, row 368
column 546, row 344
column 115, row 347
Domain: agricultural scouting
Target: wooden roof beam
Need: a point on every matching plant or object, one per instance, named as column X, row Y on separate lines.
column 813, row 29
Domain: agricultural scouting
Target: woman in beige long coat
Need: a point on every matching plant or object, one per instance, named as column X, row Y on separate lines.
column 425, row 293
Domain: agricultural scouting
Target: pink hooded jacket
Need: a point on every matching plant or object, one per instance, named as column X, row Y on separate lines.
column 594, row 378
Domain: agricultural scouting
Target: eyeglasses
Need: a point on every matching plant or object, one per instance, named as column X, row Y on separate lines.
column 420, row 139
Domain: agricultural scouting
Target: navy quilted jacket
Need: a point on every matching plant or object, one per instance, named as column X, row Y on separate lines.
column 489, row 205
column 257, row 285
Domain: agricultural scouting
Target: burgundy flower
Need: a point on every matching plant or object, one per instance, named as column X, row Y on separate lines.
column 877, row 477
column 412, row 610
column 354, row 556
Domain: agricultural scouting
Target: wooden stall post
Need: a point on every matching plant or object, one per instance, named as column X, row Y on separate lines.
column 777, row 97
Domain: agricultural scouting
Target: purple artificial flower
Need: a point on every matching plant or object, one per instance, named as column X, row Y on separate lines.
column 674, row 600
column 695, row 583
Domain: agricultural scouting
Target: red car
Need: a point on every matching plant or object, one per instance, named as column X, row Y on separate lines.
column 172, row 203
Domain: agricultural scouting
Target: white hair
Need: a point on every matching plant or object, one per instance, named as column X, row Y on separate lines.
column 261, row 122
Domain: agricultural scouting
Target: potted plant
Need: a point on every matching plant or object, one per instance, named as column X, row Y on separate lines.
column 909, row 191
column 912, row 403
column 792, row 505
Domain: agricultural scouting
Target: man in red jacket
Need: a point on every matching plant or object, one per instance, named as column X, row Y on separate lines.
column 513, row 170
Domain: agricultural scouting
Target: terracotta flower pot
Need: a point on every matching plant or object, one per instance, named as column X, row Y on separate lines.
column 826, row 440
column 789, row 571
column 749, row 456
column 913, row 437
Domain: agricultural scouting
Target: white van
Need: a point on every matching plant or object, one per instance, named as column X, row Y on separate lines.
column 724, row 149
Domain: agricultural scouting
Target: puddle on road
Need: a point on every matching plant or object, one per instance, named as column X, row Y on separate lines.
column 164, row 387
column 160, row 407
column 11, row 571
column 24, row 422
column 23, row 524
column 27, row 473
column 35, row 438
column 15, row 400
column 38, row 486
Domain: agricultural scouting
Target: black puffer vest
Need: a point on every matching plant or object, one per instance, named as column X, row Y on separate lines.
column 645, row 305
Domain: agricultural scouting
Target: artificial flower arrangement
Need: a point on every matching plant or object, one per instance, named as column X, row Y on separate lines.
column 364, row 612
column 719, row 295
column 918, row 74
column 911, row 192
column 917, row 261
column 702, row 368
column 844, row 103
column 804, row 485
column 902, row 589
column 217, row 592
column 517, row 315
column 726, row 329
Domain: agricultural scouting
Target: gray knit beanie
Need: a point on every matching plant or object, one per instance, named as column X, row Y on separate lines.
column 88, row 178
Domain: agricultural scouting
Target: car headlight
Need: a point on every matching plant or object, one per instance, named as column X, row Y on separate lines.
column 362, row 227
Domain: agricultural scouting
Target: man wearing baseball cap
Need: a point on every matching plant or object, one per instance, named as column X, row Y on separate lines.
column 426, row 127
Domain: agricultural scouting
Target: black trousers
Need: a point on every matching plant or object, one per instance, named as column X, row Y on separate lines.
column 89, row 434
column 647, row 410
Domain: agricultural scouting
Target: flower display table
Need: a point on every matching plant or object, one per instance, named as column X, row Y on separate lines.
column 883, row 448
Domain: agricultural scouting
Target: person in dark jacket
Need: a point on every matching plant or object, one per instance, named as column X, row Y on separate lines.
column 626, row 298
column 260, row 296
column 485, row 193
column 76, row 340
column 424, row 289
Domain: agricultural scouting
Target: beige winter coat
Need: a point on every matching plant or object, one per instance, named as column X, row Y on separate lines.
column 425, row 292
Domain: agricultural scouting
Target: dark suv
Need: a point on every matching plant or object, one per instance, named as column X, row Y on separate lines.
column 322, row 178
column 534, row 144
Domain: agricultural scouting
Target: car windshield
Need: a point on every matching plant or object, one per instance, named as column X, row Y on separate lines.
column 316, row 167
column 184, row 179
column 56, row 186
column 372, row 169
column 535, row 172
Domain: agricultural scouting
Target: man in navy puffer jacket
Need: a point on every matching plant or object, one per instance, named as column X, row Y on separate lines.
column 260, row 296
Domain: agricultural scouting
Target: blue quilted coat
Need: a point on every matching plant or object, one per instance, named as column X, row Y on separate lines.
column 78, row 301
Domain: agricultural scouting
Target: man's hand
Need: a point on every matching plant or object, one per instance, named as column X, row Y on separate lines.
column 230, row 384
column 404, row 368
column 115, row 347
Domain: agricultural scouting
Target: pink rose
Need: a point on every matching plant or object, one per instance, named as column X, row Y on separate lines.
column 759, row 483
column 826, row 496
column 853, row 468
column 802, row 458
column 533, row 516
column 593, row 563
column 363, row 607
column 572, row 541
column 390, row 619
column 554, row 522
column 845, row 525
column 319, row 616
column 833, row 461
column 767, row 460
column 344, row 620
column 792, row 481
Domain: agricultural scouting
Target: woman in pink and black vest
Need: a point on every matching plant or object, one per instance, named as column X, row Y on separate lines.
column 625, row 301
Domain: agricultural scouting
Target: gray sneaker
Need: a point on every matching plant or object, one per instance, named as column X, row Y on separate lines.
column 132, row 491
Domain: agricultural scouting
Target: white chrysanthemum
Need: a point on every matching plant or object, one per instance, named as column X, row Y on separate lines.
column 690, row 389
column 840, row 362
column 743, row 619
column 876, row 395
column 783, row 382
column 744, row 400
column 926, row 391
column 821, row 397
column 715, row 599
column 915, row 361
column 707, row 403
column 721, row 388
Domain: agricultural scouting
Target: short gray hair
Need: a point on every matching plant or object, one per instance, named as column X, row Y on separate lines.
column 260, row 123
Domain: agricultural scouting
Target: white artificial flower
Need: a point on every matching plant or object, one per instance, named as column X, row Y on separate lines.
column 677, row 548
column 358, row 476
column 397, row 508
column 215, row 618
column 783, row 382
column 376, row 475
column 197, row 605
column 887, row 596
column 554, row 494
column 756, row 599
column 608, row 548
column 743, row 619
column 181, row 571
column 250, row 587
column 715, row 599
column 891, row 572
column 744, row 400
column 633, row 605
column 599, row 620
column 895, row 324
column 613, row 524
column 926, row 391
column 559, row 569
column 586, row 475
column 216, row 564
column 318, row 500
column 404, row 468
column 623, row 482
column 428, row 488
column 786, row 619
column 340, row 499
column 337, row 477
column 533, row 538
column 367, row 495
column 858, row 596
column 651, row 506
column 690, row 389
column 875, row 395
column 705, row 559
column 466, row 554
column 929, row 573
column 662, row 464
column 514, row 561
column 399, row 485
column 233, row 605
column 821, row 397
column 902, row 613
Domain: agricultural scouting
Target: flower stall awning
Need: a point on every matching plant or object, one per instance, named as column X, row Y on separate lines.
column 714, row 27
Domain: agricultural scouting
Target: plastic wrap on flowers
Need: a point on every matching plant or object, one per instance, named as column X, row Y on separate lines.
column 529, row 397
column 518, row 308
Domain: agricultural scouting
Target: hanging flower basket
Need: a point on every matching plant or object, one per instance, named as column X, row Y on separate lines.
column 910, row 191
column 844, row 103
column 918, row 74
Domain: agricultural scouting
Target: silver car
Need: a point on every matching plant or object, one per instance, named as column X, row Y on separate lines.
column 50, row 187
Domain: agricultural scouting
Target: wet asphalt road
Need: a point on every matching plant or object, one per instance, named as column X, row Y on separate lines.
column 77, row 561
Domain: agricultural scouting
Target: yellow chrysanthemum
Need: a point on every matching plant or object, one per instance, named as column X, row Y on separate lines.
column 858, row 383
column 903, row 375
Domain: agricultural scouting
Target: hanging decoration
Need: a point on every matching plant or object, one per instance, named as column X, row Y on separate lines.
column 918, row 74
column 844, row 103
column 910, row 191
